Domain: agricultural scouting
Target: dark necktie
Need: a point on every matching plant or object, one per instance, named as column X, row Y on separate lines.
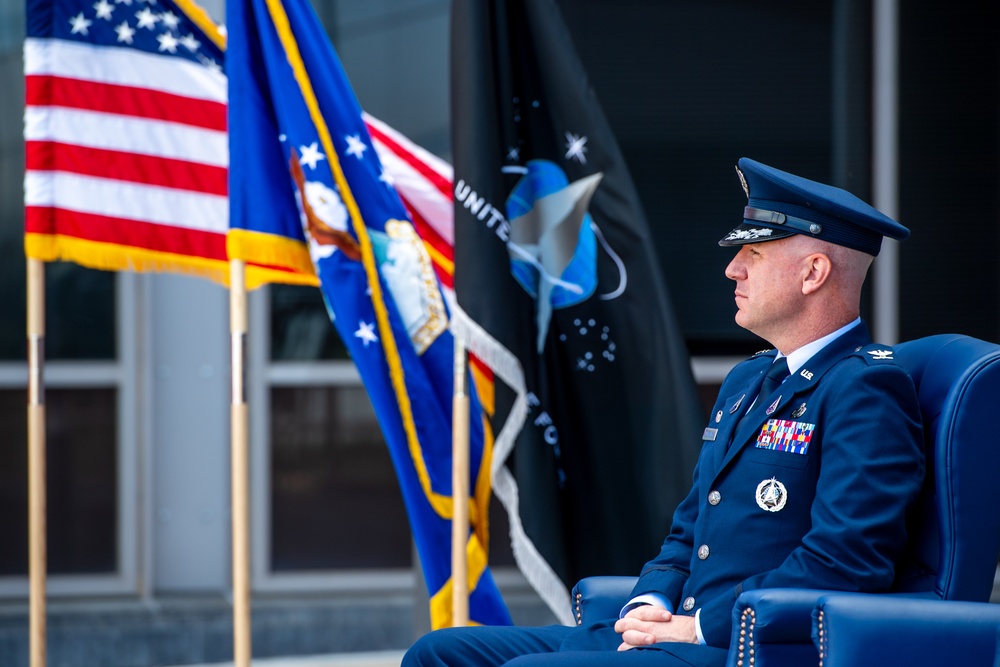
column 776, row 374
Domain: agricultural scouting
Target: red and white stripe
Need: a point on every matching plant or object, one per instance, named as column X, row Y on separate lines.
column 130, row 149
column 424, row 183
column 125, row 148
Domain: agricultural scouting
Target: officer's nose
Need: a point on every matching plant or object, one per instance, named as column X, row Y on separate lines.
column 737, row 268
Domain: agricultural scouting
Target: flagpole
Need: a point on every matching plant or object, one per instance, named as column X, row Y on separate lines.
column 460, row 490
column 239, row 474
column 36, row 460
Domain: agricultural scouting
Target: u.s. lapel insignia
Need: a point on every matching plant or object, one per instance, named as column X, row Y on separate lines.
column 799, row 411
column 771, row 495
column 737, row 404
column 774, row 406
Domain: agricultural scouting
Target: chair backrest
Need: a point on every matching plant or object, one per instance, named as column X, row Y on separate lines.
column 954, row 538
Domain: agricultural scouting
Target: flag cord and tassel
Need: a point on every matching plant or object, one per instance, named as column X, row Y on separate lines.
column 239, row 482
column 536, row 570
column 460, row 490
column 36, row 460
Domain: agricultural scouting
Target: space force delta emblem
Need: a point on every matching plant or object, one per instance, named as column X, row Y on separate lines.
column 783, row 435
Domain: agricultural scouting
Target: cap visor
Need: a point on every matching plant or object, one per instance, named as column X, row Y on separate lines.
column 754, row 233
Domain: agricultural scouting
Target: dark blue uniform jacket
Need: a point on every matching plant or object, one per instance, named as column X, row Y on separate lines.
column 811, row 490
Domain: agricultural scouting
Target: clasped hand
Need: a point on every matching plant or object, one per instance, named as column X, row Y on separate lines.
column 651, row 624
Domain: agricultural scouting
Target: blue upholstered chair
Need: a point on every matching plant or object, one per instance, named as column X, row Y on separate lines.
column 854, row 630
column 954, row 540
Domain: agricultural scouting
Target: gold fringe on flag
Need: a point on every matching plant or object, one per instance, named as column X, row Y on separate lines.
column 272, row 250
column 113, row 257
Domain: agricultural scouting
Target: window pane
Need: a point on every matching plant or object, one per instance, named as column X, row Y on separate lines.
column 13, row 284
column 79, row 312
column 335, row 501
column 82, row 476
column 301, row 329
column 949, row 158
column 79, row 307
column 12, row 280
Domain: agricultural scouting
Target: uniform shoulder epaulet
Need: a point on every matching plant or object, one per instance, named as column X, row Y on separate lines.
column 876, row 352
column 770, row 352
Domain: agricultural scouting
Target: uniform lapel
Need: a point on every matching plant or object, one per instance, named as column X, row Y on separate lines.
column 802, row 380
column 727, row 418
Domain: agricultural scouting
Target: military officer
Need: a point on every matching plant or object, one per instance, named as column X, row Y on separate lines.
column 811, row 459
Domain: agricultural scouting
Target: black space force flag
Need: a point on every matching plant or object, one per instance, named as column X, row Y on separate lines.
column 596, row 414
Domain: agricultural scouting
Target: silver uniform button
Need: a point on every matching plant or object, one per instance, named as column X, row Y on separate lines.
column 703, row 551
column 688, row 603
column 714, row 498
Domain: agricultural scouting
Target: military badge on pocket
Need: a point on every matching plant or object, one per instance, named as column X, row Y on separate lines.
column 771, row 495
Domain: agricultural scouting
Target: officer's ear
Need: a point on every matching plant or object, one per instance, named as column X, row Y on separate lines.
column 817, row 270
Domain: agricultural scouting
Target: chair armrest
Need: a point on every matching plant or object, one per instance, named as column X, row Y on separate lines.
column 856, row 629
column 773, row 626
column 596, row 598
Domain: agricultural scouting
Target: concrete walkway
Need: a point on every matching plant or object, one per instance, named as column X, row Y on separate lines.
column 361, row 659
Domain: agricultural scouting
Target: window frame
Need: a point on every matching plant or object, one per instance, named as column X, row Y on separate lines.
column 266, row 374
column 124, row 375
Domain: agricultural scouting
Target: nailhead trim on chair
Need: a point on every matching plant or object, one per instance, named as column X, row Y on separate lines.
column 745, row 648
column 822, row 637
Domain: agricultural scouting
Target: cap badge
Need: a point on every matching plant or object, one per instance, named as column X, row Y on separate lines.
column 743, row 182
column 771, row 495
column 749, row 234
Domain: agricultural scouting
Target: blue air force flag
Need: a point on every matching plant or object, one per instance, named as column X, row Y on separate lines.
column 301, row 154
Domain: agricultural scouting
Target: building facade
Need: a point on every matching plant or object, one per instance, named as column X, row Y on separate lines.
column 137, row 372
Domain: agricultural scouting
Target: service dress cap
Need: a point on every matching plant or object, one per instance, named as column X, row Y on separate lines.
column 780, row 204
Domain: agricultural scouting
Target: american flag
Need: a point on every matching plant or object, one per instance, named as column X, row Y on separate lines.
column 127, row 150
column 125, row 136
